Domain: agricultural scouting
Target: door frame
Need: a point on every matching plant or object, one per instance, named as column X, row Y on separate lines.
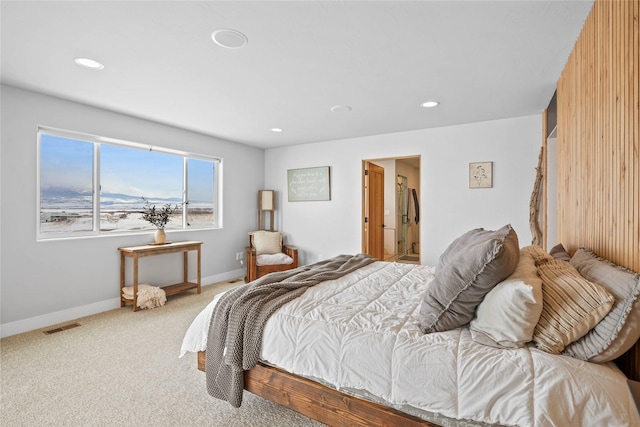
column 365, row 207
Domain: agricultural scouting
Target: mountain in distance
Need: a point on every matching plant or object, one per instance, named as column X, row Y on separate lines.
column 58, row 192
column 57, row 197
column 104, row 197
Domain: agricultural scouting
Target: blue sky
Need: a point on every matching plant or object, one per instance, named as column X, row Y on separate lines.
column 67, row 163
column 140, row 172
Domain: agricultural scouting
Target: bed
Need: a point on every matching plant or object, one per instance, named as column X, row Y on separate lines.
column 353, row 351
column 597, row 198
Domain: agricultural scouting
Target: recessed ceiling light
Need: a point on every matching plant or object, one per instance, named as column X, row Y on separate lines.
column 89, row 63
column 340, row 108
column 430, row 104
column 231, row 39
column 277, row 130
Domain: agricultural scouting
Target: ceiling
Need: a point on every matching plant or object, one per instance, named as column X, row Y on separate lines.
column 482, row 60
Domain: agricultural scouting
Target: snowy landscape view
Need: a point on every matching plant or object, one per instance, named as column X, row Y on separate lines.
column 124, row 176
column 64, row 210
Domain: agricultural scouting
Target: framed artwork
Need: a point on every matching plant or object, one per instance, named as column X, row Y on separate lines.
column 309, row 184
column 481, row 175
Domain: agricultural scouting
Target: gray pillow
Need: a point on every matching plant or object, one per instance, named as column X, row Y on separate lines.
column 467, row 270
column 619, row 330
column 559, row 252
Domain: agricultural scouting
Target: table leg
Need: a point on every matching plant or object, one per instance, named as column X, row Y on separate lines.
column 185, row 266
column 199, row 262
column 122, row 263
column 135, row 282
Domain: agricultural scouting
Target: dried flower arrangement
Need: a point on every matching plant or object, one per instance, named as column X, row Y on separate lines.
column 158, row 216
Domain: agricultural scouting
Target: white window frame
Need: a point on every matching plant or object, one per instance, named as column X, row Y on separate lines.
column 97, row 142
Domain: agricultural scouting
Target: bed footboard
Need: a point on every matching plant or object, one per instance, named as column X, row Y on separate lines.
column 319, row 402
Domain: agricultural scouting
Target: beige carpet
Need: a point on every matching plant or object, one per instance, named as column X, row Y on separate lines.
column 121, row 368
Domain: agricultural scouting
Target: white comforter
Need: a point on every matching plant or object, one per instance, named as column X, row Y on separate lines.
column 360, row 334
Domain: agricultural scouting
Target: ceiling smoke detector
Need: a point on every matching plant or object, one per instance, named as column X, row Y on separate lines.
column 230, row 39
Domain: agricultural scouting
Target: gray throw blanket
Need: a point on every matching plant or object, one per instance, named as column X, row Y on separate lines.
column 235, row 332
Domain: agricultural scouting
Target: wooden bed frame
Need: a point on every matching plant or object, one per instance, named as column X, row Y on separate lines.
column 334, row 408
column 582, row 126
column 319, row 402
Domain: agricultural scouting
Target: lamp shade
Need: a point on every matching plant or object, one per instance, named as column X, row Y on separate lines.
column 266, row 200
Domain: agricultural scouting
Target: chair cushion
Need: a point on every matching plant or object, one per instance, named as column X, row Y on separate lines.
column 266, row 242
column 273, row 259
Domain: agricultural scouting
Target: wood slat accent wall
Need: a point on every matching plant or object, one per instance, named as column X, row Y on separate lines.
column 599, row 136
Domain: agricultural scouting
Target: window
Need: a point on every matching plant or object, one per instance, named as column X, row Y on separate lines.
column 127, row 174
column 72, row 166
column 66, row 185
column 200, row 188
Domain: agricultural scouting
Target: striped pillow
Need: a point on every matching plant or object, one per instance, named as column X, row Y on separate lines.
column 572, row 305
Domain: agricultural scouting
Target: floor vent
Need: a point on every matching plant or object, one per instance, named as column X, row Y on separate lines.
column 62, row 328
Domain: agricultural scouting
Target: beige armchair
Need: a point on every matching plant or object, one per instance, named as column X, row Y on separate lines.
column 266, row 253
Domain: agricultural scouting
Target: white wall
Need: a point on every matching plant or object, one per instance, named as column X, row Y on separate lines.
column 53, row 281
column 448, row 207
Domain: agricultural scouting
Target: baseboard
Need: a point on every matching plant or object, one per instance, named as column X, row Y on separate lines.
column 48, row 319
column 44, row 320
column 223, row 277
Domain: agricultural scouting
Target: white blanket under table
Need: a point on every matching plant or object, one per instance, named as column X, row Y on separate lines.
column 360, row 334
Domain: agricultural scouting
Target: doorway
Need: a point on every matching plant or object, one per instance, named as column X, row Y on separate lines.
column 397, row 207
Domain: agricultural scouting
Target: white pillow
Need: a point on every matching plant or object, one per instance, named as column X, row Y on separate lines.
column 267, row 242
column 274, row 259
column 508, row 315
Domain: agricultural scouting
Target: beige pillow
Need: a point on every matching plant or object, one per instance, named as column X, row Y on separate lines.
column 539, row 255
column 572, row 305
column 508, row 315
column 267, row 242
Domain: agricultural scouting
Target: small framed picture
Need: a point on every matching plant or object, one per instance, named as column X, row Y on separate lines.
column 481, row 175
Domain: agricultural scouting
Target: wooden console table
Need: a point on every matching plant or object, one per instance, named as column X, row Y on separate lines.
column 137, row 252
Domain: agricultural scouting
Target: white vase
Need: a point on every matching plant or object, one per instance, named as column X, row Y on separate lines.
column 160, row 236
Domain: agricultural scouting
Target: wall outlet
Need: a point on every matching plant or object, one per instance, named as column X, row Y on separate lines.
column 239, row 256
